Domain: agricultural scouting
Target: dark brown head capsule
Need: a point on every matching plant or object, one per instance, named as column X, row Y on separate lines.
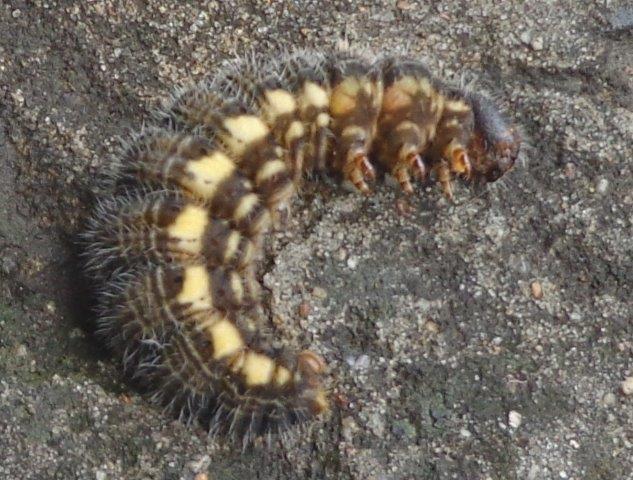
column 494, row 145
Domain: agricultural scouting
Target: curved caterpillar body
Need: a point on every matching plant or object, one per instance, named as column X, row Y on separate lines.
column 174, row 248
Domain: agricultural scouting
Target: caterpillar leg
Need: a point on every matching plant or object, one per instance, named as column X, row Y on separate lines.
column 457, row 157
column 444, row 177
column 355, row 102
column 411, row 164
column 357, row 169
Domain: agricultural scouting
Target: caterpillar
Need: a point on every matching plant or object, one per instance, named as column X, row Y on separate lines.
column 174, row 244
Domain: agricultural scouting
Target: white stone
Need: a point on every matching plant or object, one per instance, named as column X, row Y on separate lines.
column 515, row 419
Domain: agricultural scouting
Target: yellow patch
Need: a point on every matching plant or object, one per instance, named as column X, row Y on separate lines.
column 226, row 339
column 451, row 147
column 188, row 229
column 408, row 84
column 268, row 170
column 425, row 87
column 278, row 102
column 282, row 376
column 407, row 125
column 323, row 120
column 430, row 132
column 344, row 97
column 236, row 287
column 196, row 288
column 205, row 174
column 248, row 253
column 437, row 103
column 368, row 87
column 232, row 244
column 295, row 130
column 243, row 131
column 395, row 99
column 457, row 106
column 257, row 369
column 453, row 122
column 378, row 94
column 353, row 131
column 246, row 205
column 314, row 95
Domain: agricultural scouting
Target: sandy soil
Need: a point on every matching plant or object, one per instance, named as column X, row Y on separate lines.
column 444, row 364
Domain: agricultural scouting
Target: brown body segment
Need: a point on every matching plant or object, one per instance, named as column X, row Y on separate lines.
column 249, row 392
column 355, row 101
column 306, row 75
column 172, row 160
column 411, row 109
column 242, row 135
column 167, row 325
column 162, row 227
column 448, row 153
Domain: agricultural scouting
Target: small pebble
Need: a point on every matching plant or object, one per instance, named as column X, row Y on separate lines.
column 603, row 185
column 304, row 309
column 627, row 386
column 608, row 399
column 319, row 292
column 537, row 43
column 465, row 433
column 201, row 476
column 514, row 419
column 537, row 290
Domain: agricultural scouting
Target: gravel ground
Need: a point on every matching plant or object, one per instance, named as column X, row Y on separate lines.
column 490, row 338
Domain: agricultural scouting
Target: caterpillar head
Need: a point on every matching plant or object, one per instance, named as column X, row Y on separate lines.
column 494, row 146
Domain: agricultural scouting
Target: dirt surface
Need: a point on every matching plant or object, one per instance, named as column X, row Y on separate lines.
column 445, row 360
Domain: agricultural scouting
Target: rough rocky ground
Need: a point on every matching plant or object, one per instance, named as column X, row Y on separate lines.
column 444, row 363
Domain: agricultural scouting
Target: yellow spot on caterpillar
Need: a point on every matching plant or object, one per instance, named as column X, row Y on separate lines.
column 236, row 287
column 188, row 228
column 282, row 376
column 232, row 244
column 314, row 95
column 268, row 170
column 379, row 90
column 195, row 288
column 353, row 131
column 453, row 122
column 367, row 87
column 395, row 99
column 437, row 103
column 323, row 120
column 257, row 369
column 407, row 125
column 408, row 84
column 430, row 132
column 205, row 174
column 457, row 106
column 279, row 102
column 245, row 206
column 243, row 131
column 425, row 87
column 343, row 99
column 248, row 253
column 295, row 130
column 226, row 339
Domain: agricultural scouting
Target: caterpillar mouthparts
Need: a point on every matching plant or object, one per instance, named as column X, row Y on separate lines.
column 173, row 247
